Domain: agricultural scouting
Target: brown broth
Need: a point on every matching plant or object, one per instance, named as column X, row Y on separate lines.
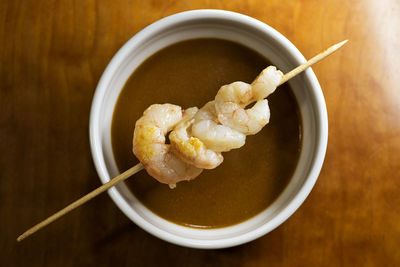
column 189, row 74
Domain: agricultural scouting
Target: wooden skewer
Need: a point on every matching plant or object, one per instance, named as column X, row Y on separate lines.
column 138, row 167
column 312, row 61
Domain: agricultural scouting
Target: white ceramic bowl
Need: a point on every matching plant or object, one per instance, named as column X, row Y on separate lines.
column 249, row 32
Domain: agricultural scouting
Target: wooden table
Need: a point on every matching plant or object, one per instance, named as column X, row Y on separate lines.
column 51, row 57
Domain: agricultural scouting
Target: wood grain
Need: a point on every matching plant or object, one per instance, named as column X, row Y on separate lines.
column 52, row 55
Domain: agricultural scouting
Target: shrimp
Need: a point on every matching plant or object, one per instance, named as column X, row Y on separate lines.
column 215, row 136
column 266, row 82
column 191, row 149
column 150, row 148
column 231, row 100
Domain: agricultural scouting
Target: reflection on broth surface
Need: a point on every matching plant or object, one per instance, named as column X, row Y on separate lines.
column 189, row 74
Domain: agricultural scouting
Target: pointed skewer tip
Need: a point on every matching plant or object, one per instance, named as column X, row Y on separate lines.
column 342, row 43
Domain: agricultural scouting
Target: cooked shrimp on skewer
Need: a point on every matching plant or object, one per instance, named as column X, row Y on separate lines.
column 150, row 148
column 230, row 104
column 266, row 82
column 191, row 149
column 215, row 136
column 231, row 100
column 199, row 136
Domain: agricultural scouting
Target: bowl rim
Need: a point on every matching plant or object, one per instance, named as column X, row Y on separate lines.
column 321, row 117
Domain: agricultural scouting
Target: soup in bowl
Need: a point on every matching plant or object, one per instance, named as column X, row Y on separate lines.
column 184, row 59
